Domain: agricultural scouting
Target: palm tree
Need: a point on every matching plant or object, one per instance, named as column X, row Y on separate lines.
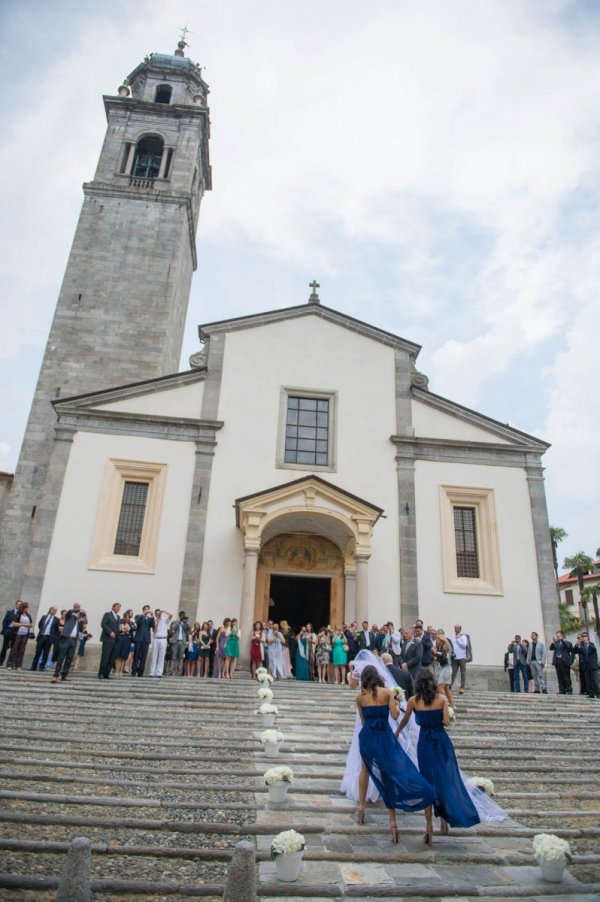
column 580, row 565
column 569, row 621
column 557, row 534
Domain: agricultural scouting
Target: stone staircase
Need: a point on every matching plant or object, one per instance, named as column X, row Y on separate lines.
column 164, row 777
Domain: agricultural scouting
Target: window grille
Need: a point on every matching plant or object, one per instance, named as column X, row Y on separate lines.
column 307, row 431
column 148, row 156
column 465, row 531
column 131, row 518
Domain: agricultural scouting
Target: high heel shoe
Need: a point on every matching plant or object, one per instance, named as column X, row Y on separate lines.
column 360, row 816
column 395, row 834
column 428, row 837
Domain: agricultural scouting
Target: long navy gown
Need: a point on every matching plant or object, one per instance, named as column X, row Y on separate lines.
column 393, row 773
column 438, row 764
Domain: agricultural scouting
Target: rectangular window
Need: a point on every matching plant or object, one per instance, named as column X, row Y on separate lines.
column 465, row 534
column 307, row 431
column 569, row 596
column 131, row 518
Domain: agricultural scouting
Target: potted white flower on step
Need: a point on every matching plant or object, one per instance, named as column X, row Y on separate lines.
column 264, row 694
column 267, row 713
column 552, row 854
column 286, row 852
column 260, row 670
column 278, row 781
column 271, row 740
column 264, row 678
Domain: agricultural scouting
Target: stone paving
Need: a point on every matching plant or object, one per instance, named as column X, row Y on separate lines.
column 165, row 776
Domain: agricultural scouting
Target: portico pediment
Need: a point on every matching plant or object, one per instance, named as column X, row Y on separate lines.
column 308, row 505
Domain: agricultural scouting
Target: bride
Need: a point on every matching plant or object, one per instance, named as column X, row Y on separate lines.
column 486, row 808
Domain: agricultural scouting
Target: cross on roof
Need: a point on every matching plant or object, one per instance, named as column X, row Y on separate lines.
column 314, row 297
column 184, row 33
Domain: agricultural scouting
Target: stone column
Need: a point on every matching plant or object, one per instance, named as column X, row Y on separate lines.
column 407, row 539
column 163, row 163
column 130, row 156
column 247, row 609
column 362, row 588
column 543, row 547
column 194, row 545
column 350, row 597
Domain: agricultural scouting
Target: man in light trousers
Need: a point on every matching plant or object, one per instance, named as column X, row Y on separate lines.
column 536, row 658
column 159, row 642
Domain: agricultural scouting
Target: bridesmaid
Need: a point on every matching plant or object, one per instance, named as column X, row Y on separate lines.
column 302, row 655
column 437, row 759
column 232, row 649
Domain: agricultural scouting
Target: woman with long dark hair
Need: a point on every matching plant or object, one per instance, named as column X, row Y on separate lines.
column 437, row 759
column 400, row 784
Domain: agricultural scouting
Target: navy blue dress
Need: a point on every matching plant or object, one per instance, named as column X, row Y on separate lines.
column 393, row 773
column 438, row 764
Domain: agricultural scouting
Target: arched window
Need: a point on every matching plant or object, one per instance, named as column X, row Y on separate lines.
column 148, row 155
column 163, row 94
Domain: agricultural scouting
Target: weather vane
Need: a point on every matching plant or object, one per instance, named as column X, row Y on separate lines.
column 184, row 33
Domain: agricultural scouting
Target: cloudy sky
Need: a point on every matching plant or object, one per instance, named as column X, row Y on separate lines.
column 433, row 163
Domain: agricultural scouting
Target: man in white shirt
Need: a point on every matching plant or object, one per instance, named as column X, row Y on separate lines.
column 67, row 643
column 460, row 644
column 162, row 620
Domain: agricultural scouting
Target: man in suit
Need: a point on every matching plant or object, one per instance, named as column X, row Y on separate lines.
column 352, row 641
column 8, row 633
column 519, row 653
column 180, row 631
column 427, row 643
column 588, row 665
column 562, row 659
column 47, row 632
column 69, row 636
column 109, row 633
column 144, row 624
column 412, row 654
column 402, row 677
column 366, row 638
column 536, row 658
column 212, row 632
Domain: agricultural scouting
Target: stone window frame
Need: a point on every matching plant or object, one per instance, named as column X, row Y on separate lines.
column 319, row 395
column 118, row 472
column 482, row 500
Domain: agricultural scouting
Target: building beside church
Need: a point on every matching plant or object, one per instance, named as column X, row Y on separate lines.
column 301, row 467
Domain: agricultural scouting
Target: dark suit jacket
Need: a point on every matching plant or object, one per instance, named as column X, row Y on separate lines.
column 362, row 635
column 412, row 654
column 53, row 626
column 8, row 618
column 563, row 652
column 144, row 625
column 109, row 624
column 403, row 679
column 589, row 660
column 427, row 658
column 71, row 619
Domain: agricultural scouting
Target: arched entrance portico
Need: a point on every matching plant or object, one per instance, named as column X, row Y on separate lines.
column 307, row 526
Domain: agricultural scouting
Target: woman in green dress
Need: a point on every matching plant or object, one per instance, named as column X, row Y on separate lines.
column 232, row 650
column 339, row 657
column 302, row 652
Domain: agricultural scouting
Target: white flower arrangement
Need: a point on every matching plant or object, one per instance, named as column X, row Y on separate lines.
column 265, row 694
column 286, row 842
column 451, row 715
column 260, row 670
column 279, row 775
column 271, row 736
column 264, row 678
column 266, row 708
column 547, row 847
column 399, row 693
column 484, row 784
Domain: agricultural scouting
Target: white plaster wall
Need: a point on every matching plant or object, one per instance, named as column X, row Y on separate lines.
column 180, row 401
column 431, row 423
column 67, row 576
column 307, row 353
column 491, row 620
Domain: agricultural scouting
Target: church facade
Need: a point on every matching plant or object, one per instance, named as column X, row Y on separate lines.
column 300, row 469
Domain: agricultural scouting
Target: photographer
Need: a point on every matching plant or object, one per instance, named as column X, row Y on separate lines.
column 71, row 633
column 178, row 640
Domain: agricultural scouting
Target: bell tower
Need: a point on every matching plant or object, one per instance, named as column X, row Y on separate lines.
column 122, row 307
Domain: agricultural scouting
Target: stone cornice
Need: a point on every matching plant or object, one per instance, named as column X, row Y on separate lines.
column 131, row 390
column 516, row 437
column 165, row 110
column 121, row 423
column 410, row 448
column 327, row 313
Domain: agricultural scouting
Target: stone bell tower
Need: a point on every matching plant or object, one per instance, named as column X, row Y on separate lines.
column 122, row 306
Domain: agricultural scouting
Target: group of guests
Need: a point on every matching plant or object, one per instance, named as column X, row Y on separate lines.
column 526, row 661
column 18, row 628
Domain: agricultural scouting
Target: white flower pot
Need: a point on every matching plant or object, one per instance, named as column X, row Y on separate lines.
column 553, row 871
column 271, row 749
column 268, row 720
column 288, row 867
column 278, row 791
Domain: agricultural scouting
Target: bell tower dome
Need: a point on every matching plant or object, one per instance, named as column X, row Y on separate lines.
column 122, row 307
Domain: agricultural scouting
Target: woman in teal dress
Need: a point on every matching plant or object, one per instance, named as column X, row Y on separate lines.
column 301, row 667
column 339, row 657
column 232, row 650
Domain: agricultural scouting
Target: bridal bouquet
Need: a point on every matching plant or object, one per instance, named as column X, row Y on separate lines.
column 484, row 784
column 264, row 677
column 271, row 736
column 287, row 842
column 265, row 693
column 266, row 708
column 452, row 716
column 548, row 847
column 399, row 693
column 279, row 775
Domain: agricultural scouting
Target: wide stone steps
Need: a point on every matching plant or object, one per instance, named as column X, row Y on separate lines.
column 164, row 777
